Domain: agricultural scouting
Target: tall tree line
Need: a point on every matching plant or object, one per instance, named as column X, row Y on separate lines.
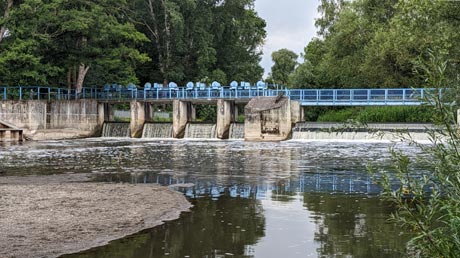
column 81, row 42
column 378, row 43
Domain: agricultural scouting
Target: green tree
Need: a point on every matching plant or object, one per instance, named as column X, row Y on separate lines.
column 22, row 60
column 371, row 44
column 192, row 40
column 302, row 77
column 94, row 34
column 51, row 40
column 285, row 62
column 240, row 33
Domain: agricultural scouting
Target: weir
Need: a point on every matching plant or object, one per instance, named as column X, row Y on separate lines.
column 157, row 130
column 267, row 119
column 236, row 131
column 200, row 131
column 116, row 129
column 372, row 131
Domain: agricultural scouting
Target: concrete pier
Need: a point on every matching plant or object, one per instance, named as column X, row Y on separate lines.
column 226, row 114
column 138, row 118
column 183, row 112
column 270, row 118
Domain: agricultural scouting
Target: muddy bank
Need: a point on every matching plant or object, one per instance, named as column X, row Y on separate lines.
column 55, row 215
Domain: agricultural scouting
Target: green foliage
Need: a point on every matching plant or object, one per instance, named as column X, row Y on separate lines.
column 206, row 113
column 376, row 44
column 285, row 62
column 302, row 77
column 379, row 115
column 71, row 42
column 196, row 40
column 428, row 205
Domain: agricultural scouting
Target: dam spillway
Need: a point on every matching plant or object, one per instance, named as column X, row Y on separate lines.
column 116, row 129
column 157, row 130
column 200, row 131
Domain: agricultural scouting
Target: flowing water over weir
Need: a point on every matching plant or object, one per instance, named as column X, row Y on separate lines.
column 251, row 199
column 236, row 131
column 345, row 131
column 200, row 131
column 116, row 129
column 157, row 130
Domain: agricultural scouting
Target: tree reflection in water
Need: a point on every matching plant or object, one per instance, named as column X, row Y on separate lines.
column 215, row 227
column 354, row 226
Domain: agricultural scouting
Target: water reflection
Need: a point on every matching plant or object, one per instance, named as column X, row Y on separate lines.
column 215, row 228
column 354, row 226
column 289, row 199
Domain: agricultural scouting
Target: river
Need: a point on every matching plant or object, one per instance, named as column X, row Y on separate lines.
column 286, row 199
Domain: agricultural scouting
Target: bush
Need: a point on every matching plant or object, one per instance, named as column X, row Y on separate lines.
column 428, row 206
column 387, row 114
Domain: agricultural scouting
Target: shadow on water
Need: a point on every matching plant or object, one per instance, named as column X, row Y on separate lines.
column 287, row 199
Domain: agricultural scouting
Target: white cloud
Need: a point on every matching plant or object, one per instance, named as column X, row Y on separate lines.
column 290, row 24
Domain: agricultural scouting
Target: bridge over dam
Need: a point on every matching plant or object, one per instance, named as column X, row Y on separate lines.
column 270, row 114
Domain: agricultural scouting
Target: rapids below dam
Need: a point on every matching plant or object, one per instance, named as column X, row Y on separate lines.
column 284, row 199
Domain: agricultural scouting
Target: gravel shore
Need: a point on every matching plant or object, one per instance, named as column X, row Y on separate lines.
column 47, row 216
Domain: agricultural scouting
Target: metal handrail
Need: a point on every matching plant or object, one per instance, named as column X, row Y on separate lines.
column 307, row 97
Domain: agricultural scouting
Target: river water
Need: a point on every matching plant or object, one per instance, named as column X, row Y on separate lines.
column 287, row 199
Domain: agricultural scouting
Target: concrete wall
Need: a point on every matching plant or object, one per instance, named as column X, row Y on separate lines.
column 268, row 119
column 41, row 119
column 139, row 114
column 226, row 113
column 182, row 114
column 297, row 112
column 30, row 115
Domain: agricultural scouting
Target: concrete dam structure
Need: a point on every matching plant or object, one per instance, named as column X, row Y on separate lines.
column 271, row 118
column 41, row 119
column 268, row 119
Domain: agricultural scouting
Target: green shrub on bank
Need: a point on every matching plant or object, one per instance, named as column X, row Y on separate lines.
column 428, row 205
column 387, row 114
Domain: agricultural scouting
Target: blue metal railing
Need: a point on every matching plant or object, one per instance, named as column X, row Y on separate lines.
column 307, row 97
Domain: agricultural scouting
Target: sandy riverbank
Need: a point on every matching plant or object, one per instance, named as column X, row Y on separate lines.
column 47, row 216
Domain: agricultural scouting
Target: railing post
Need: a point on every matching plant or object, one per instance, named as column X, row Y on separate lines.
column 49, row 93
column 422, row 94
column 4, row 93
column 38, row 93
column 352, row 96
column 20, row 92
column 386, row 96
column 317, row 97
column 368, row 96
column 59, row 94
column 404, row 96
column 334, row 96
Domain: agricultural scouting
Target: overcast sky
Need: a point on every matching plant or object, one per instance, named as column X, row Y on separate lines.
column 290, row 24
